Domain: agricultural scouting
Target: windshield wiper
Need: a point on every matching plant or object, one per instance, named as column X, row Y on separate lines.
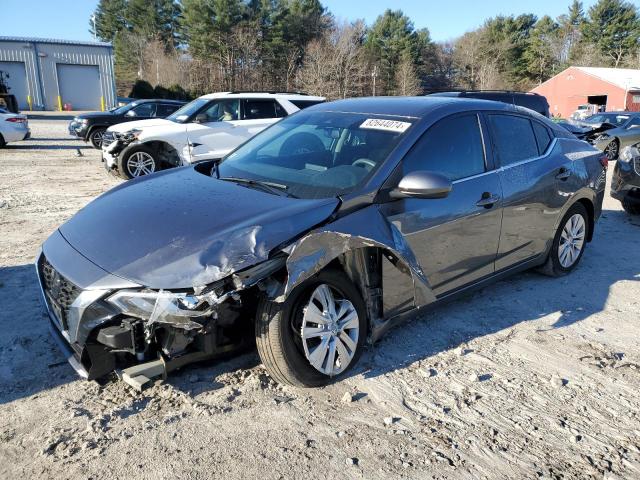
column 270, row 187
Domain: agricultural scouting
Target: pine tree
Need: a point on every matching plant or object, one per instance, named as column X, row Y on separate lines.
column 109, row 19
column 614, row 28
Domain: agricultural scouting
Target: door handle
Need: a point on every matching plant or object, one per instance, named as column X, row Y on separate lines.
column 488, row 200
column 563, row 174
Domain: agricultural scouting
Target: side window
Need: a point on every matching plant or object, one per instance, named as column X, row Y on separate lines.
column 166, row 109
column 302, row 104
column 634, row 122
column 543, row 137
column 221, row 111
column 145, row 110
column 257, row 109
column 452, row 147
column 513, row 138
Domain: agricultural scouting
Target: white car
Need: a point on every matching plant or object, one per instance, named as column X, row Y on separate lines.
column 13, row 127
column 209, row 127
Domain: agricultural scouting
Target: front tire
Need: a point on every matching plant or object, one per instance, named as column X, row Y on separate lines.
column 95, row 137
column 316, row 335
column 569, row 242
column 612, row 150
column 632, row 208
column 137, row 162
column 2, row 142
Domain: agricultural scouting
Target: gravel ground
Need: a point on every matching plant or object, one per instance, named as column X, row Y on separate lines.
column 531, row 377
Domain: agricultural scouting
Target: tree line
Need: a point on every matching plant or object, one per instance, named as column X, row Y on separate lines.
column 189, row 47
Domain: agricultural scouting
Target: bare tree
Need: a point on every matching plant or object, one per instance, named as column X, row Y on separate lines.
column 407, row 82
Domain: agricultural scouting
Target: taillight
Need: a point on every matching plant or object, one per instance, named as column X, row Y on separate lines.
column 604, row 161
column 16, row 120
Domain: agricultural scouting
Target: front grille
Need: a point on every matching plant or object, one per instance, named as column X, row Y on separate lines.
column 108, row 138
column 60, row 292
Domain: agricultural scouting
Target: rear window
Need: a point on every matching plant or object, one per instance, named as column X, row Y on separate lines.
column 513, row 138
column 302, row 104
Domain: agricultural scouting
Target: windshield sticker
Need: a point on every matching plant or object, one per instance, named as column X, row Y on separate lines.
column 388, row 125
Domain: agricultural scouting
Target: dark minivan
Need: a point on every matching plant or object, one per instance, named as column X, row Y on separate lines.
column 532, row 101
column 91, row 126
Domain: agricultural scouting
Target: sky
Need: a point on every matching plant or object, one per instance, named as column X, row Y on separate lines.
column 69, row 19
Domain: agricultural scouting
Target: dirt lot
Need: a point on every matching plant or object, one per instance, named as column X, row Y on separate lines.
column 532, row 377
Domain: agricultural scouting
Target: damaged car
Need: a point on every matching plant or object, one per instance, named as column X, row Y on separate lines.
column 317, row 236
column 610, row 132
column 625, row 182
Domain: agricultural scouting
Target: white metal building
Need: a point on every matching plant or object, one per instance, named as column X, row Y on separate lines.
column 47, row 74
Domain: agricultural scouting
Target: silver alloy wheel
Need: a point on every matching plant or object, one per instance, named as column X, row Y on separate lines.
column 572, row 240
column 611, row 150
column 330, row 331
column 97, row 137
column 140, row 163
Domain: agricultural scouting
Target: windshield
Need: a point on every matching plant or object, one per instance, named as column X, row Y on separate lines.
column 124, row 109
column 183, row 113
column 615, row 119
column 317, row 154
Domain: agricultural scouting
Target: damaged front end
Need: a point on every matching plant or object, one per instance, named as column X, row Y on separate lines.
column 103, row 328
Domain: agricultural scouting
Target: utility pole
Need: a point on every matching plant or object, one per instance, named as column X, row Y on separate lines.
column 374, row 74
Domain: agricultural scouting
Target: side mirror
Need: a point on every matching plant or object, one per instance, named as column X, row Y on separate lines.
column 422, row 184
column 201, row 118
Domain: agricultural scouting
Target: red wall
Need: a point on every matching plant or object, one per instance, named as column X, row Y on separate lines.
column 571, row 88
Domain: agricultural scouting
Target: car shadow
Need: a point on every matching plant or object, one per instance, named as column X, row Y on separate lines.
column 18, row 146
column 31, row 362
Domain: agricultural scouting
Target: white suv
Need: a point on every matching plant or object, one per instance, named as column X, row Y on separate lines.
column 209, row 127
column 13, row 127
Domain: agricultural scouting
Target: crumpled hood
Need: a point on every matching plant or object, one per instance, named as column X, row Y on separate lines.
column 182, row 229
column 140, row 124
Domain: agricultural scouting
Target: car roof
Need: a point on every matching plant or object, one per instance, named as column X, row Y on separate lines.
column 286, row 96
column 163, row 100
column 618, row 113
column 413, row 107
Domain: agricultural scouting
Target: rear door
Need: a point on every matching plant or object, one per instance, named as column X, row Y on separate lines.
column 531, row 168
column 455, row 239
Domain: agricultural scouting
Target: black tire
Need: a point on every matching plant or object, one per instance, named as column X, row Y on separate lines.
column 2, row 142
column 553, row 267
column 124, row 168
column 95, row 137
column 632, row 208
column 279, row 346
column 612, row 150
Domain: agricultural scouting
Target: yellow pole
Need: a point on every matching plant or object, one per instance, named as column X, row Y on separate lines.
column 102, row 103
column 59, row 103
column 29, row 102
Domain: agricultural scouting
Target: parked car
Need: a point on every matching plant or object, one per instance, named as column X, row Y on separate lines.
column 611, row 131
column 625, row 182
column 208, row 127
column 90, row 127
column 14, row 127
column 318, row 234
column 533, row 101
column 584, row 111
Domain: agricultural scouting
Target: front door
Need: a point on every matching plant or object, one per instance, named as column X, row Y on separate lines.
column 214, row 131
column 455, row 239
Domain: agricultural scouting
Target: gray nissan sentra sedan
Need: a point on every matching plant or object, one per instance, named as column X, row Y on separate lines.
column 317, row 235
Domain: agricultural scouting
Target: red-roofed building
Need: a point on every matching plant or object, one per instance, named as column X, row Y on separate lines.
column 611, row 89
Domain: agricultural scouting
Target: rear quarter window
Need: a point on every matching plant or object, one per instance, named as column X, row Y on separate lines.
column 302, row 104
column 543, row 137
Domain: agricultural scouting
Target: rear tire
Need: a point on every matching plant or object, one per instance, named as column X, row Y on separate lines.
column 2, row 142
column 567, row 249
column 279, row 326
column 95, row 137
column 632, row 208
column 137, row 162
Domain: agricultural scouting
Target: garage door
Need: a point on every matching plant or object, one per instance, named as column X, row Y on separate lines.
column 17, row 81
column 79, row 86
